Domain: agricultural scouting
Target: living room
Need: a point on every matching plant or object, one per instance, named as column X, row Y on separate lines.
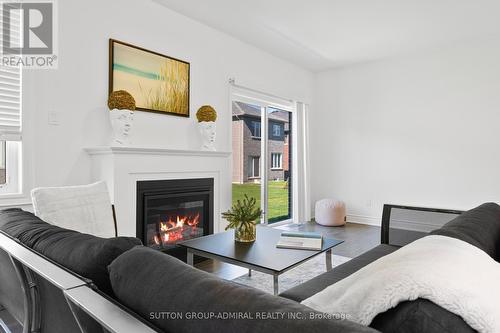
column 172, row 134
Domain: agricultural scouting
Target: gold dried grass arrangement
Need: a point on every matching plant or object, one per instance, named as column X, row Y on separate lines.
column 121, row 100
column 206, row 113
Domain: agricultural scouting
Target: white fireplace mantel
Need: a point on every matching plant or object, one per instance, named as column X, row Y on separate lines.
column 123, row 167
column 115, row 150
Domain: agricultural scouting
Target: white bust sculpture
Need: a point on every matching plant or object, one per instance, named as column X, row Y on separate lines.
column 121, row 121
column 121, row 115
column 208, row 131
column 207, row 116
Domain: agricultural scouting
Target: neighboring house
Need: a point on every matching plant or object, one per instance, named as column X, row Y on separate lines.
column 247, row 144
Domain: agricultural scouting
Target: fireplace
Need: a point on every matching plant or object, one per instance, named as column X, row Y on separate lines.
column 171, row 211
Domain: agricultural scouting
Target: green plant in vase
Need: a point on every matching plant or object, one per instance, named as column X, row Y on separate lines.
column 242, row 218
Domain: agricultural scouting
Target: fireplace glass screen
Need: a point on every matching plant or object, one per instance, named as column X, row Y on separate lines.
column 171, row 222
column 172, row 211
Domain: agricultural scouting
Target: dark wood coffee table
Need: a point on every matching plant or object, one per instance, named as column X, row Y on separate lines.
column 261, row 255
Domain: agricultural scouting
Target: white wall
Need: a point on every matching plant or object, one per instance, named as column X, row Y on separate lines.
column 77, row 91
column 421, row 130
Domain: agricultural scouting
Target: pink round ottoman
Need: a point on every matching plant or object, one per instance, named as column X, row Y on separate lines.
column 330, row 212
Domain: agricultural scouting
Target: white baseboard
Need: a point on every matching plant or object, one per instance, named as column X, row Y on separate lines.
column 362, row 219
column 23, row 205
column 399, row 224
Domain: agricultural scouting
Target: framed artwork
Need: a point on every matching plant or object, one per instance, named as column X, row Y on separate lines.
column 157, row 82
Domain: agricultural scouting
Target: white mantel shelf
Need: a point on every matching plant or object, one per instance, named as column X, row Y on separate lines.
column 116, row 150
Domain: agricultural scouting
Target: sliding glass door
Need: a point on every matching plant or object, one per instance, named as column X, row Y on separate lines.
column 246, row 146
column 262, row 156
column 279, row 176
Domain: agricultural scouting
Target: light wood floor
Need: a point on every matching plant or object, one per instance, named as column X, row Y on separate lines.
column 358, row 238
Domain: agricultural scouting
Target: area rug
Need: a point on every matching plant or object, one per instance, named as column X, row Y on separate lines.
column 293, row 277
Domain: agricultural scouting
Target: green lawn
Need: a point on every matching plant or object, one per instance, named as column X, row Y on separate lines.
column 278, row 198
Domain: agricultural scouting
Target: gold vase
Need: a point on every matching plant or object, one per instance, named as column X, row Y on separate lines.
column 245, row 233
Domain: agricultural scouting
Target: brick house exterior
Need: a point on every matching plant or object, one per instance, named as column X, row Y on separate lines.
column 246, row 142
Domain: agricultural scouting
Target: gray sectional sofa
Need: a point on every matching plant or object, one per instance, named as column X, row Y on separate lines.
column 124, row 285
column 118, row 285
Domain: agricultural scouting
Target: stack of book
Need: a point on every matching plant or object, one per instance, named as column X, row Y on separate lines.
column 300, row 240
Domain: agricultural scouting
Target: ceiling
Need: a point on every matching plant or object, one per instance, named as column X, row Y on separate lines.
column 323, row 34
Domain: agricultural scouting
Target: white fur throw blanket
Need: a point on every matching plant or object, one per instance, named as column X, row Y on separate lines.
column 451, row 273
column 84, row 208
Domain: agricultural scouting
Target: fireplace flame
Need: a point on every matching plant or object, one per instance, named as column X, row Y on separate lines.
column 194, row 221
column 156, row 239
column 175, row 229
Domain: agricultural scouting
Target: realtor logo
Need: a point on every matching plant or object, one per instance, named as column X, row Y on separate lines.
column 28, row 33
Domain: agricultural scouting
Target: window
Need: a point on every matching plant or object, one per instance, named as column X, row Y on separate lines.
column 10, row 115
column 255, row 128
column 276, row 161
column 277, row 130
column 254, row 167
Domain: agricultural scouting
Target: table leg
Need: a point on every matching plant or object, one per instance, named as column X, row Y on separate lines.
column 190, row 258
column 275, row 284
column 328, row 256
column 249, row 272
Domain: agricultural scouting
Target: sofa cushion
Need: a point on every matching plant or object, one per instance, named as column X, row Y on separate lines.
column 156, row 285
column 83, row 254
column 479, row 226
column 315, row 285
column 418, row 316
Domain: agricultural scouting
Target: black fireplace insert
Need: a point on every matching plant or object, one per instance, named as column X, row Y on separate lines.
column 171, row 211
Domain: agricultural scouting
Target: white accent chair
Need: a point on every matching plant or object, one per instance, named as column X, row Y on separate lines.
column 330, row 212
column 85, row 208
